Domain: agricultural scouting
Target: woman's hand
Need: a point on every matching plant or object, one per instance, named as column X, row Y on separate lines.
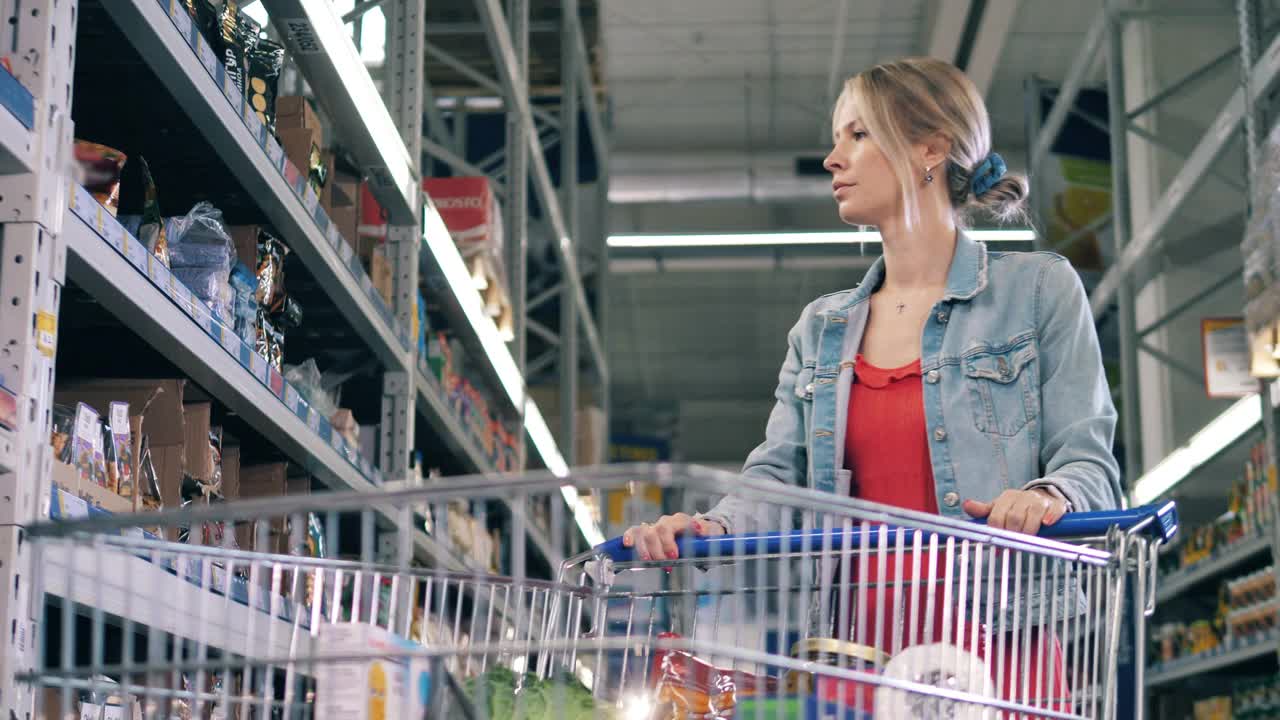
column 1020, row 510
column 658, row 541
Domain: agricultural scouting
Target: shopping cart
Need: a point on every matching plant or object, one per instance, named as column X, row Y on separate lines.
column 824, row 607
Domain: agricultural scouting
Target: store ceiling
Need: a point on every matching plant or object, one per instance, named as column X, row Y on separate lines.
column 715, row 85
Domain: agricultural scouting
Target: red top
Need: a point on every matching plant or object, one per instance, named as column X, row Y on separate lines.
column 886, row 444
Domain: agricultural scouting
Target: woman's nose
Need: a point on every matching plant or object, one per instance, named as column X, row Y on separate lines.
column 832, row 163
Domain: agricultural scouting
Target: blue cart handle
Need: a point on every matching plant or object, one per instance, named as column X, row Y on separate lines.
column 1155, row 521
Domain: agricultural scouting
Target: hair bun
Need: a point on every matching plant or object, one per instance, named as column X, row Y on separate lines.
column 987, row 174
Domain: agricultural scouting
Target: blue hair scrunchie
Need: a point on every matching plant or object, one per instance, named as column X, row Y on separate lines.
column 988, row 173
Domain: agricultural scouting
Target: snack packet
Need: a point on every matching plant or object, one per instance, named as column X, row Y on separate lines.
column 82, row 442
column 152, row 229
column 122, row 445
column 100, row 168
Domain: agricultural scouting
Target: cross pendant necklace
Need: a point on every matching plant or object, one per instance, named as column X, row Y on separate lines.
column 901, row 307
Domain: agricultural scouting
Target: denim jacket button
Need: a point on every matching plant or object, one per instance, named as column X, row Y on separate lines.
column 951, row 499
column 942, row 317
column 940, row 434
column 931, row 377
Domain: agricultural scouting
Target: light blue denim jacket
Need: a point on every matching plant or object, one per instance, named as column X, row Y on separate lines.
column 1014, row 390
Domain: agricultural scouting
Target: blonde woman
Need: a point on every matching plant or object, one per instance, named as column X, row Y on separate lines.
column 953, row 379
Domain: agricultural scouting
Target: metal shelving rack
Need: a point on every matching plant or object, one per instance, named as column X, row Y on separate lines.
column 50, row 231
column 1241, row 115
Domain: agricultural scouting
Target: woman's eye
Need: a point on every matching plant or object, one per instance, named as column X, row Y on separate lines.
column 859, row 134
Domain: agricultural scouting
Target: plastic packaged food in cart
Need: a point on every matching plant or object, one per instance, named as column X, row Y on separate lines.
column 100, row 169
column 686, row 686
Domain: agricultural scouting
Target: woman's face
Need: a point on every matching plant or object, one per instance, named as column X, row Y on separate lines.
column 864, row 184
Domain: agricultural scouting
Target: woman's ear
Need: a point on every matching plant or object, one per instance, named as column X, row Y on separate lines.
column 934, row 150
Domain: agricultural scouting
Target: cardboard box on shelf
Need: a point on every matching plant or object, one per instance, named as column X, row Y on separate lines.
column 263, row 481
column 295, row 111
column 66, row 477
column 245, row 238
column 347, row 220
column 156, row 410
column 231, row 472
column 196, row 424
column 301, row 146
column 381, row 275
column 590, row 422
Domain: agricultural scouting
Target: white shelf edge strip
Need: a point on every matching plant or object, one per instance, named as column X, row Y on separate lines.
column 1263, row 644
column 1212, row 439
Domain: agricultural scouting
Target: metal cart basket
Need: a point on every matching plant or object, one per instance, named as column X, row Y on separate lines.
column 824, row 607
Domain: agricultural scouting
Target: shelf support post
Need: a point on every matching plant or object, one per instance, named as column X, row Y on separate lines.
column 32, row 268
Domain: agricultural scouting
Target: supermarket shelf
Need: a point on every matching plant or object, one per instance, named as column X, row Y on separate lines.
column 114, row 281
column 1175, row 670
column 1179, row 582
column 17, row 142
column 257, row 162
column 145, row 593
column 433, row 406
column 320, row 44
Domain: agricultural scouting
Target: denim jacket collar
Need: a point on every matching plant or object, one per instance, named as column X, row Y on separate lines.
column 966, row 278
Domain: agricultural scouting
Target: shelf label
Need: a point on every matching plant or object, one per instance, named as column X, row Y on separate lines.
column 158, row 272
column 322, row 219
column 291, row 397
column 292, row 175
column 230, row 341
column 71, row 506
column 335, row 237
column 335, row 441
column 301, row 37
column 258, row 366
column 207, row 56
column 181, row 19
column 229, row 89
column 200, row 312
column 275, row 153
column 47, row 333
column 310, row 200
column 137, row 254
column 275, row 381
column 345, row 252
column 72, row 196
column 112, row 232
column 313, row 420
column 367, row 285
column 254, row 123
column 1225, row 347
column 366, row 468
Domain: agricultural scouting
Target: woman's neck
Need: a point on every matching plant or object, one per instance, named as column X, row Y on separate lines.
column 919, row 258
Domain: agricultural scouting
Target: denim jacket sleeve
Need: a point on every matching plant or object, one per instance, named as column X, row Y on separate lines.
column 1078, row 417
column 783, row 456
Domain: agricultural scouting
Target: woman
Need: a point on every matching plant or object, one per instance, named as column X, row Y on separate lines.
column 979, row 383
column 952, row 380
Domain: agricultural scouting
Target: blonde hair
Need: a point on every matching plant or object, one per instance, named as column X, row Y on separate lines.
column 907, row 101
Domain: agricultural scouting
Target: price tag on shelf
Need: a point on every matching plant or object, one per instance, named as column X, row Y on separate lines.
column 275, row 381
column 291, row 398
column 301, row 409
column 207, row 57
column 47, row 333
column 366, row 468
column 229, row 89
column 345, row 253
column 203, row 317
column 258, row 366
column 335, row 237
column 313, row 420
column 97, row 219
column 275, row 153
column 254, row 123
column 71, row 506
column 322, row 220
column 366, row 284
column 181, row 19
column 230, row 341
column 180, row 294
column 292, row 175
column 336, row 442
column 310, row 200
column 158, row 272
column 137, row 254
column 72, row 196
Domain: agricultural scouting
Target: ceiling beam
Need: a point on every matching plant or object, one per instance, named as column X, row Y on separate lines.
column 949, row 18
column 988, row 44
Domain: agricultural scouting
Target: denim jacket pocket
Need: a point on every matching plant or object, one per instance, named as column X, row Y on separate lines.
column 804, row 383
column 1002, row 388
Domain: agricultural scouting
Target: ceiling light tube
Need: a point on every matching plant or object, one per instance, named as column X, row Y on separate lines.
column 1212, row 439
column 850, row 237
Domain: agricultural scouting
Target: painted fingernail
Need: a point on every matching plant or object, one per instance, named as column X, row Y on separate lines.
column 697, row 527
column 672, row 554
column 667, row 569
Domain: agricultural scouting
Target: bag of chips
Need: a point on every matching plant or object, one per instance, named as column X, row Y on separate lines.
column 100, row 168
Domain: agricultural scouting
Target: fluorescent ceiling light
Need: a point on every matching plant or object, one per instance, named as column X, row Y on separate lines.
column 440, row 243
column 540, row 435
column 1212, row 439
column 335, row 39
column 847, row 237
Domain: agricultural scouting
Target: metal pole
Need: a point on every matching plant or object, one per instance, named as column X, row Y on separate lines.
column 517, row 215
column 569, row 202
column 601, row 278
column 1120, row 209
